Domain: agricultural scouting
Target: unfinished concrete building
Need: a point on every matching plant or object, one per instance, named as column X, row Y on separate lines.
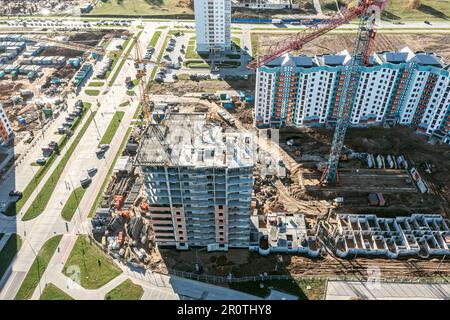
column 417, row 235
column 283, row 232
column 198, row 181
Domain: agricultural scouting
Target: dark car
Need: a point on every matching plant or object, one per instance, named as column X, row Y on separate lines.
column 15, row 193
column 427, row 22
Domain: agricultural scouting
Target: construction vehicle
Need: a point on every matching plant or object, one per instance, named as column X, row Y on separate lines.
column 366, row 10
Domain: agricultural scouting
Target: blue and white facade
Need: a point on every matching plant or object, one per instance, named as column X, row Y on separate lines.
column 213, row 25
column 401, row 87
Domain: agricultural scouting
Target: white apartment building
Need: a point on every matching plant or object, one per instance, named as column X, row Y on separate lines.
column 213, row 25
column 403, row 87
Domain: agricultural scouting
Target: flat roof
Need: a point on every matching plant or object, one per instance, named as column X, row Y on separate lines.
column 189, row 139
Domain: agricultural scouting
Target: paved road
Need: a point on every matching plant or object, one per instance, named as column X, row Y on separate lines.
column 342, row 290
column 35, row 232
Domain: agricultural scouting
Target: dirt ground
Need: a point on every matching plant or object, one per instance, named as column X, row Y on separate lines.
column 315, row 146
column 182, row 87
column 437, row 43
column 242, row 262
column 10, row 88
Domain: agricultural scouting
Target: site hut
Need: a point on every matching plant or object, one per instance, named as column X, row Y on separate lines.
column 213, row 25
column 198, row 180
column 400, row 87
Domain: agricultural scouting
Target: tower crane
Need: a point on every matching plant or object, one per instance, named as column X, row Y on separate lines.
column 349, row 78
column 141, row 74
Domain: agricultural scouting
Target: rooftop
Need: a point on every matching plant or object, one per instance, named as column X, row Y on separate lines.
column 339, row 59
column 189, row 139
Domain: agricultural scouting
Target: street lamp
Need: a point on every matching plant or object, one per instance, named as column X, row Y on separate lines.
column 38, row 266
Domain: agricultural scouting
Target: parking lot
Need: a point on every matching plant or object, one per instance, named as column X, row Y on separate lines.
column 174, row 57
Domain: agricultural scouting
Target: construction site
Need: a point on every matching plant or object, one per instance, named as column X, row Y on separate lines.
column 38, row 72
column 324, row 201
column 28, row 7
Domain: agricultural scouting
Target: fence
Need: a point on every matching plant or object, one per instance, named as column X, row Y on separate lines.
column 232, row 279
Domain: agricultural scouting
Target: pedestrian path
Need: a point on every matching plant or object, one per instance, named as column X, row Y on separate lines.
column 345, row 290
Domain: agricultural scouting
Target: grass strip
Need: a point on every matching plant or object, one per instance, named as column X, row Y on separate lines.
column 52, row 292
column 38, row 268
column 72, row 203
column 127, row 290
column 91, row 92
column 154, row 39
column 108, row 176
column 112, row 127
column 9, row 251
column 37, row 178
column 122, row 62
column 41, row 200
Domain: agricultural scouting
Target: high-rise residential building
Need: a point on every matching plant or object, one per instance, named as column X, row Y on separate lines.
column 213, row 25
column 198, row 181
column 5, row 127
column 396, row 87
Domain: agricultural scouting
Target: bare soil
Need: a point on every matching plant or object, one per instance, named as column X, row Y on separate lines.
column 437, row 43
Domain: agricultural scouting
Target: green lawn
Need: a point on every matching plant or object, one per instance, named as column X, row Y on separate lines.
column 140, row 7
column 91, row 92
column 96, row 84
column 52, row 292
column 125, row 57
column 111, row 168
column 195, row 64
column 96, row 268
column 398, row 9
column 236, row 41
column 37, row 269
column 112, row 128
column 31, row 186
column 154, row 39
column 127, row 290
column 191, row 52
column 41, row 200
column 428, row 10
column 9, row 251
column 304, row 289
column 70, row 207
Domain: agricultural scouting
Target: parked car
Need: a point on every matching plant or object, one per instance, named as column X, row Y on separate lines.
column 92, row 171
column 15, row 193
column 41, row 161
column 85, row 182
